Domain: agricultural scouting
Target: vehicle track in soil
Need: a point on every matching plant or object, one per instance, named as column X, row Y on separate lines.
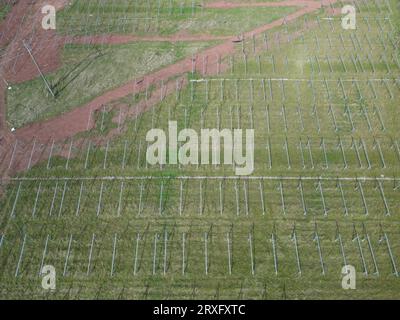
column 80, row 119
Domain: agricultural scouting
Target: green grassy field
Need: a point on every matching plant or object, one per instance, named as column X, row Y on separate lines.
column 87, row 70
column 162, row 18
column 324, row 192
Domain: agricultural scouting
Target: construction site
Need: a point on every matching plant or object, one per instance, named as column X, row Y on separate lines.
column 78, row 194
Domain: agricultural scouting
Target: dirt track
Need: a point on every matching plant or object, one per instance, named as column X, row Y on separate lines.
column 80, row 119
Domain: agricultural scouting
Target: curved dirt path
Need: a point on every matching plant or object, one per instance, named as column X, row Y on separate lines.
column 80, row 119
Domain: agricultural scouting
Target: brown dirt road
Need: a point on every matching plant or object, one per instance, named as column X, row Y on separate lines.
column 80, row 119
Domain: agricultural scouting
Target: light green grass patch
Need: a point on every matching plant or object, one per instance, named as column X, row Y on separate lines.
column 149, row 19
column 89, row 72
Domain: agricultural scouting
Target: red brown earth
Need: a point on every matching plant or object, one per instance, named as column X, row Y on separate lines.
column 34, row 140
